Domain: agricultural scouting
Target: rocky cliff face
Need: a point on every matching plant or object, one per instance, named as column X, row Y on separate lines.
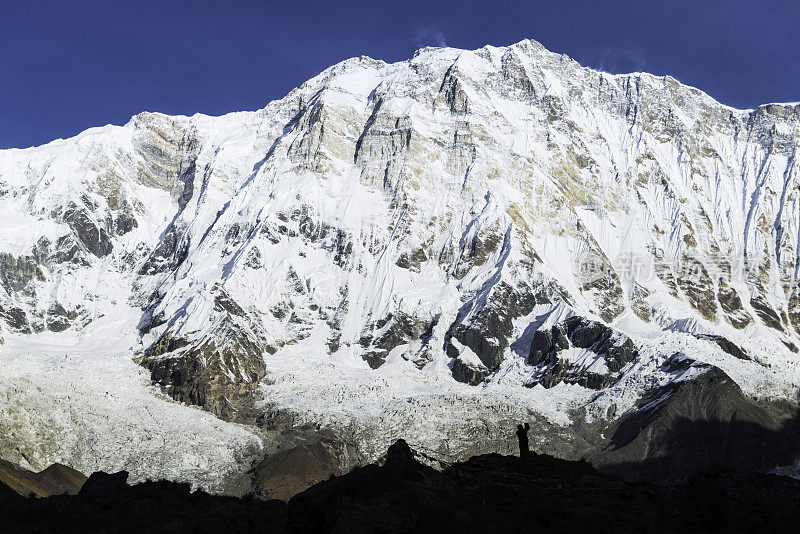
column 442, row 243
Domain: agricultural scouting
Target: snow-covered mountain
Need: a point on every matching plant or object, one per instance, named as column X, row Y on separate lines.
column 433, row 249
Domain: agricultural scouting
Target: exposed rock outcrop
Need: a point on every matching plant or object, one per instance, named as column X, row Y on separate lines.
column 609, row 352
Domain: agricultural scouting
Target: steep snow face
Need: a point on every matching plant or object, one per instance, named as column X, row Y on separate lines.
column 500, row 230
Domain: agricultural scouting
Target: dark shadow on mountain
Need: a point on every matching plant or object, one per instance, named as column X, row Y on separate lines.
column 488, row 493
column 108, row 505
column 688, row 426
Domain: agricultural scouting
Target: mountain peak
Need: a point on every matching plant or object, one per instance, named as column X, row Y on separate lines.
column 468, row 236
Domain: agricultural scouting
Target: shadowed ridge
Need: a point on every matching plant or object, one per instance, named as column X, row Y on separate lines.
column 57, row 479
column 8, row 496
column 685, row 427
column 402, row 494
column 488, row 493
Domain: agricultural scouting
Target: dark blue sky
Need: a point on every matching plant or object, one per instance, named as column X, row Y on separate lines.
column 66, row 66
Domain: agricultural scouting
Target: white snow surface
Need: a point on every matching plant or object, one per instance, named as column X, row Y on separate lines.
column 94, row 411
column 378, row 192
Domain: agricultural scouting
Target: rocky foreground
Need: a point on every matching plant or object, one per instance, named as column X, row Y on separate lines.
column 485, row 493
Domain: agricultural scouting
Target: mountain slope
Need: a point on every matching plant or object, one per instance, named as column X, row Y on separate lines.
column 437, row 247
column 55, row 480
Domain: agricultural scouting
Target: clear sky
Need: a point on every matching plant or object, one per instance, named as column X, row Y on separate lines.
column 68, row 65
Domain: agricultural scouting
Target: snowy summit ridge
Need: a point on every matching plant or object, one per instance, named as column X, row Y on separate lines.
column 462, row 237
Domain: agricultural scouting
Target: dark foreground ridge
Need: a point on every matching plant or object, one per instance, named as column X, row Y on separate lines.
column 488, row 493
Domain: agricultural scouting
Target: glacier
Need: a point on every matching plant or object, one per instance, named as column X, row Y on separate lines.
column 434, row 249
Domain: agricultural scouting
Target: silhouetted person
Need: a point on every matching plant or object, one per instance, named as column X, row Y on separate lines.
column 522, row 434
